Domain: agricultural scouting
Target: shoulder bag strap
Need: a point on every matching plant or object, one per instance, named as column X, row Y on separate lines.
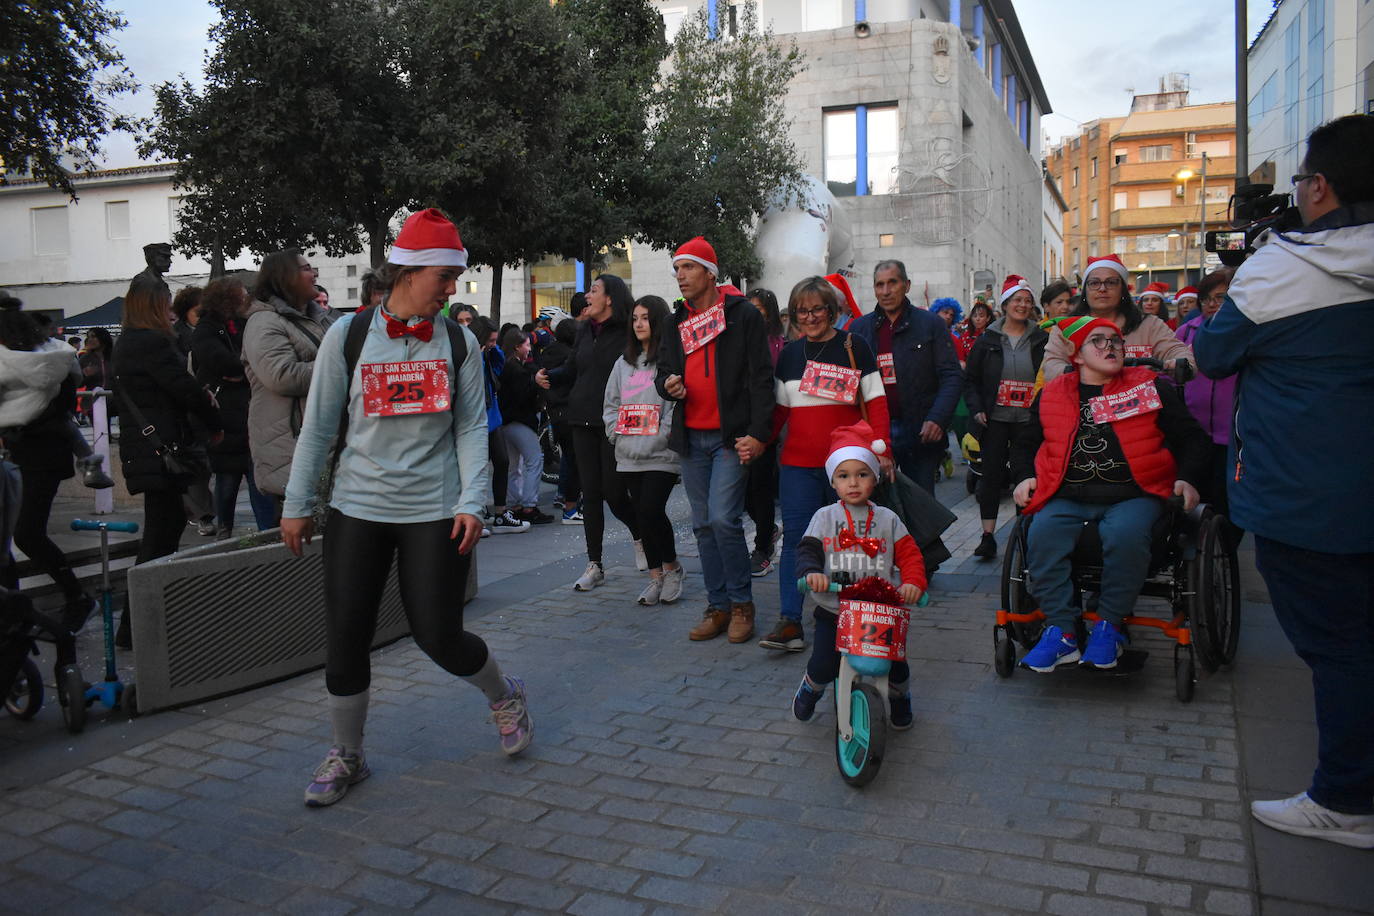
column 849, row 351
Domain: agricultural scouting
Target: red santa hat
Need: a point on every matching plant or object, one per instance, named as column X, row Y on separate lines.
column 699, row 250
column 428, row 239
column 1077, row 328
column 1010, row 285
column 1156, row 289
column 1109, row 261
column 857, row 442
column 846, row 294
column 1188, row 292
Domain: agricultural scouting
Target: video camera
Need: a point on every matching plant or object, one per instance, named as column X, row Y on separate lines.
column 1253, row 209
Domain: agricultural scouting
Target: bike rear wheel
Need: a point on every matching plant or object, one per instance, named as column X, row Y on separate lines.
column 25, row 696
column 859, row 758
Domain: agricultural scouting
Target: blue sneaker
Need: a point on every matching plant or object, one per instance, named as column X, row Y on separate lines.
column 804, row 703
column 899, row 712
column 1104, row 645
column 1055, row 648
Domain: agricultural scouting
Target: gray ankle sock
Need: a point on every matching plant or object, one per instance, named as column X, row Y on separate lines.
column 490, row 681
column 348, row 715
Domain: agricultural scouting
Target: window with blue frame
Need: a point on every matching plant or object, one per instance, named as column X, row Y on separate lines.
column 845, row 150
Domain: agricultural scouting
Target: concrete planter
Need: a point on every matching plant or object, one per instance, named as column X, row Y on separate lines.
column 237, row 614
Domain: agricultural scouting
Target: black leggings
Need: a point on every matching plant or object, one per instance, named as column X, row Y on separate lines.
column 600, row 481
column 31, row 531
column 500, row 466
column 433, row 577
column 761, row 498
column 995, row 447
column 649, row 492
column 164, row 520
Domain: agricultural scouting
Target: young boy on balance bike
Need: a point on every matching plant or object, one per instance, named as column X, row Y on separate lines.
column 847, row 541
column 1109, row 444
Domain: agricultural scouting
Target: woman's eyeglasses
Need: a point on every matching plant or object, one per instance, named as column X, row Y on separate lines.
column 1109, row 283
column 1102, row 344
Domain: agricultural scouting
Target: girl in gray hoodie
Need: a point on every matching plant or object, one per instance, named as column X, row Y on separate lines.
column 638, row 421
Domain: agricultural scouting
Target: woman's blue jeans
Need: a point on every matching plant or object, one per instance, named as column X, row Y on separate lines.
column 803, row 491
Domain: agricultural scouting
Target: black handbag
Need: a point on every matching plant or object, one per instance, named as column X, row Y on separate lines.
column 177, row 460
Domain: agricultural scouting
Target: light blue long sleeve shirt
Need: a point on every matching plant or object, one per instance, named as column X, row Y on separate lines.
column 400, row 470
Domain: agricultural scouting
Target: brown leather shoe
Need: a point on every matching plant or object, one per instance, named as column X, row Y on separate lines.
column 713, row 623
column 741, row 621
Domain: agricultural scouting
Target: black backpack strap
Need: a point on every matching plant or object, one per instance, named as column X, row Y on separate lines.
column 353, row 349
column 458, row 344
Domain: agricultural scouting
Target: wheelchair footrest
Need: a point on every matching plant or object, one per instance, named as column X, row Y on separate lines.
column 1130, row 662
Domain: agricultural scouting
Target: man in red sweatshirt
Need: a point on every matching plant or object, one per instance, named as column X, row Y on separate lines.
column 714, row 358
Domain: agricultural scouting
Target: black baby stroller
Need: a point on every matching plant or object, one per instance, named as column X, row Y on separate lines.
column 20, row 626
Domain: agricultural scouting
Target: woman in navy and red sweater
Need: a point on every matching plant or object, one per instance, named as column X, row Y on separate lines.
column 816, row 391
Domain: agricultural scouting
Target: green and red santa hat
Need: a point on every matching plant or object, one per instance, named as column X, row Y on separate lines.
column 1076, row 328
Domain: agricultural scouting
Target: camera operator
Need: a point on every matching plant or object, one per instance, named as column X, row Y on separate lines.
column 1299, row 328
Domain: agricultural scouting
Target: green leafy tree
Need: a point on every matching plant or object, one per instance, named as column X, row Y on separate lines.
column 719, row 146
column 489, row 81
column 57, row 76
column 602, row 152
column 291, row 140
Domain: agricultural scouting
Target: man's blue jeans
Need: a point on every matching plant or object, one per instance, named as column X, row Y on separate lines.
column 916, row 459
column 1325, row 604
column 803, row 491
column 715, row 482
column 1125, row 529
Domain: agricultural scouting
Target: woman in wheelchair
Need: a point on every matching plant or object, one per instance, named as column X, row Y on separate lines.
column 1106, row 444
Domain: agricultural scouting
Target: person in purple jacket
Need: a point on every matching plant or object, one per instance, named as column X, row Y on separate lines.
column 1211, row 401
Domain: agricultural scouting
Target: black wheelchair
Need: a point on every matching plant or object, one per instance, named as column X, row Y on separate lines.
column 1192, row 566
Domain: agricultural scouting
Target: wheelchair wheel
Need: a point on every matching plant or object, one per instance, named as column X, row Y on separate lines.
column 1185, row 673
column 1219, row 587
column 1016, row 598
column 25, row 696
column 860, row 758
column 1003, row 652
column 71, row 695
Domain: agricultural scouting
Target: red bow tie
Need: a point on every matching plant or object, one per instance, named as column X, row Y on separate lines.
column 423, row 331
column 870, row 546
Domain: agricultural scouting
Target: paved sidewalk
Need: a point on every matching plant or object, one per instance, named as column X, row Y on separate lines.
column 667, row 776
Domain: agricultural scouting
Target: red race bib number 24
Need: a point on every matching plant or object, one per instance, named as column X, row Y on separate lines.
column 872, row 630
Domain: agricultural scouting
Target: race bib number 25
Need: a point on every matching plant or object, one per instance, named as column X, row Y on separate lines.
column 405, row 389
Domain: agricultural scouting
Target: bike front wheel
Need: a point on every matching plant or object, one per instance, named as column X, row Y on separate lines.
column 860, row 757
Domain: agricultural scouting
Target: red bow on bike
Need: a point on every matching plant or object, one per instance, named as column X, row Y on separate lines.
column 870, row 546
column 422, row 331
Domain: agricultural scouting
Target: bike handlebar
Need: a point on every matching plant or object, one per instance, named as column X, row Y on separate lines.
column 125, row 527
column 835, row 587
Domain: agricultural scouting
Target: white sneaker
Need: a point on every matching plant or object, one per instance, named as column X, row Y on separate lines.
column 507, row 523
column 651, row 592
column 1301, row 816
column 590, row 579
column 672, row 585
column 641, row 562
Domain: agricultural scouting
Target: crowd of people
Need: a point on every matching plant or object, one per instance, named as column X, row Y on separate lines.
column 419, row 427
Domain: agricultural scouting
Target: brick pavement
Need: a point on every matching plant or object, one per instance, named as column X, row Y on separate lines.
column 665, row 776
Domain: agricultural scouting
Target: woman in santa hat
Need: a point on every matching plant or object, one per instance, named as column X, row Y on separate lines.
column 409, row 480
column 1154, row 300
column 999, row 383
column 1107, row 295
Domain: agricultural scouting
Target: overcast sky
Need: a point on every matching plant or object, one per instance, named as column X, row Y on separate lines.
column 1088, row 52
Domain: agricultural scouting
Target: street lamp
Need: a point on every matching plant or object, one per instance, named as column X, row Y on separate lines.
column 1183, row 175
column 1143, row 267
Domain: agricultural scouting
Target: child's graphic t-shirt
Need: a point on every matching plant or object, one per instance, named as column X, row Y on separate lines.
column 880, row 547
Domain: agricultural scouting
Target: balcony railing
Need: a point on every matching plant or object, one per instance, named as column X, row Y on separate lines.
column 1138, row 172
